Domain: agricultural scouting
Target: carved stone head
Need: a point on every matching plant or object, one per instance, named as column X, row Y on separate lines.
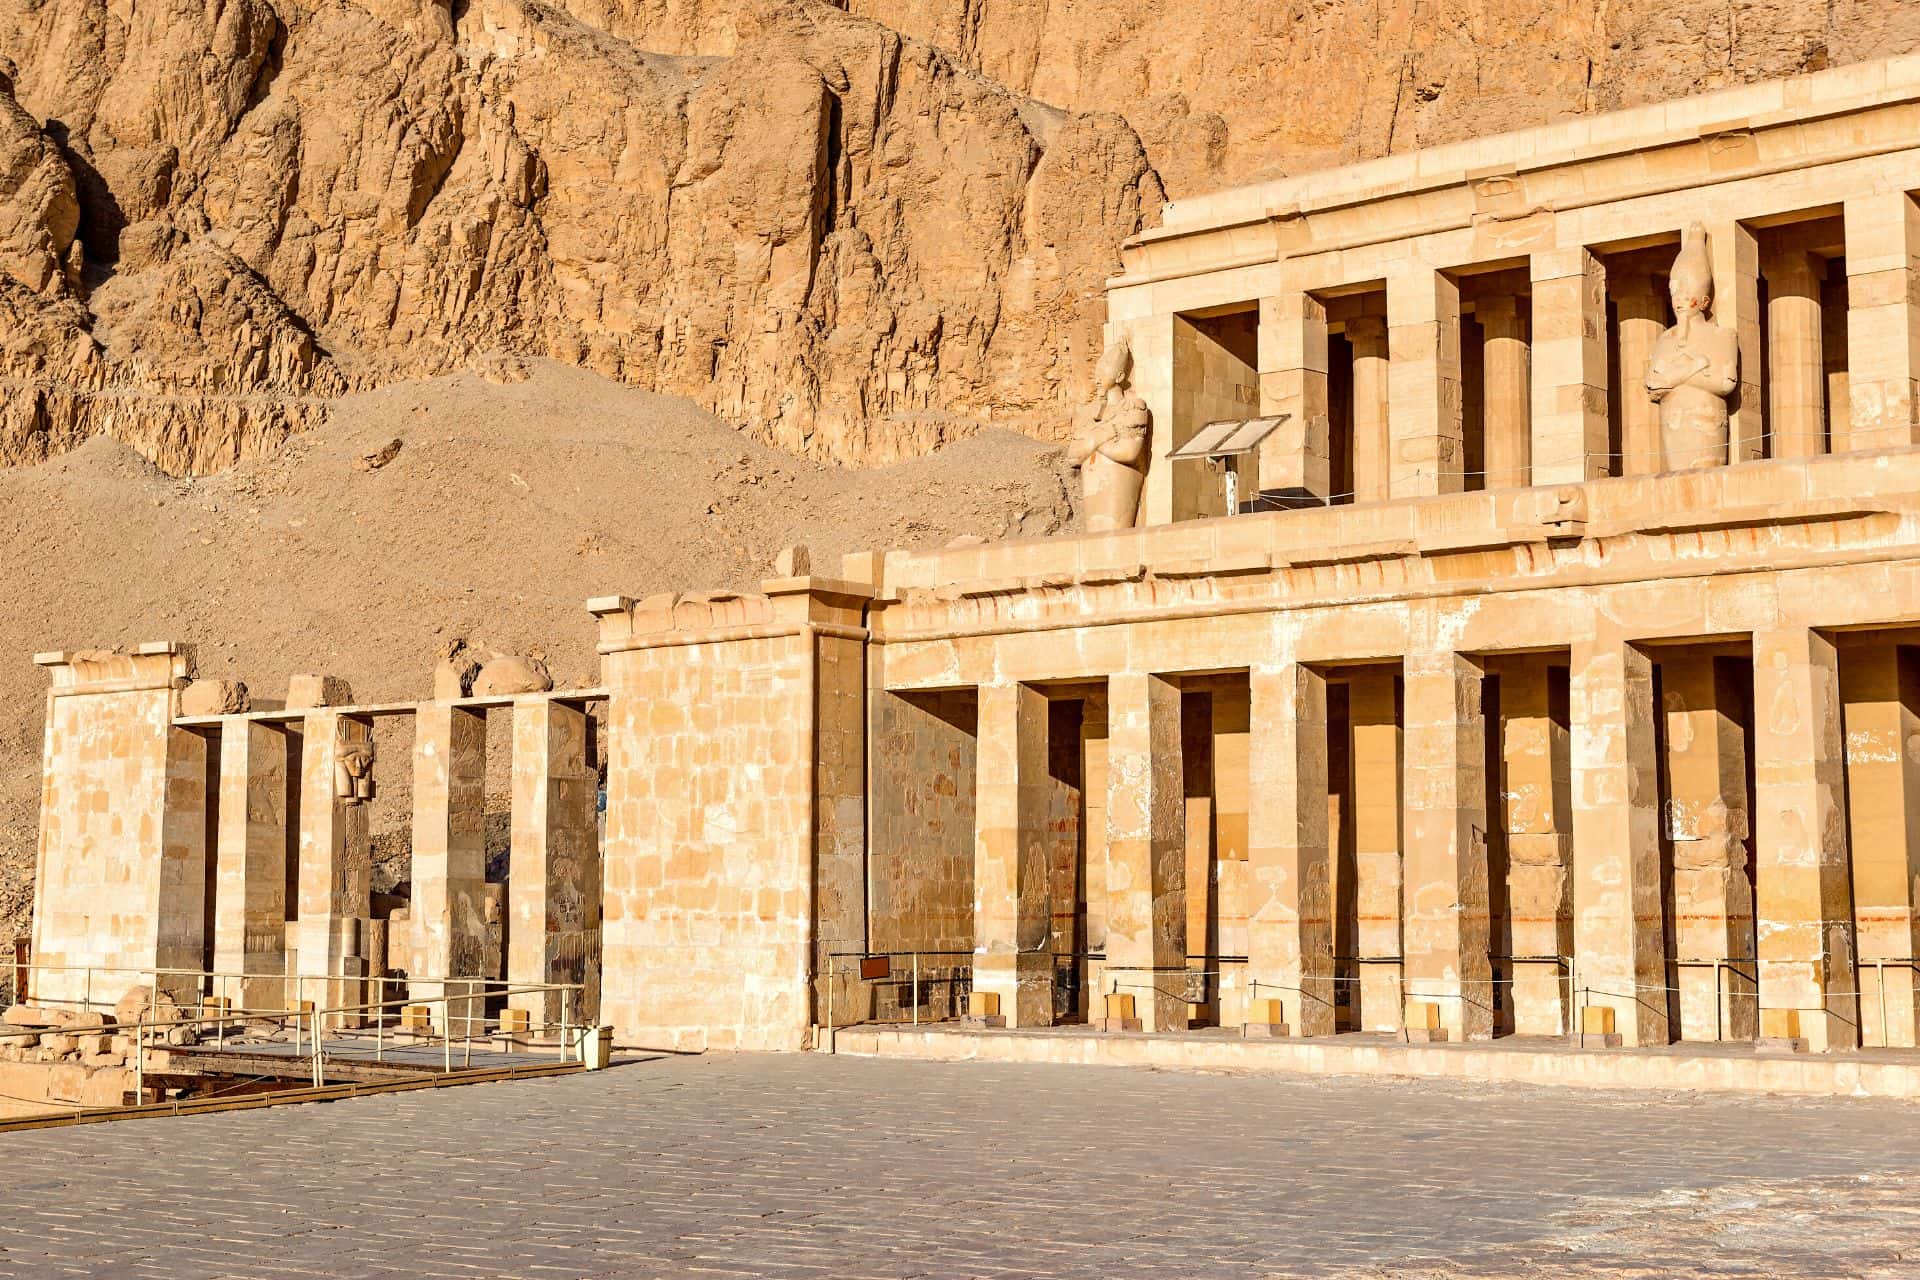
column 1691, row 282
column 1111, row 372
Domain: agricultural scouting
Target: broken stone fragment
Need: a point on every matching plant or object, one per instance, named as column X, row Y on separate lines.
column 504, row 676
column 379, row 457
column 215, row 698
column 143, row 1004
column 99, row 1061
column 305, row 692
column 60, row 1044
column 27, row 1015
column 453, row 676
column 793, row 562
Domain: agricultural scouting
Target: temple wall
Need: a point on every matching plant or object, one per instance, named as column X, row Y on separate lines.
column 1542, row 728
column 123, row 849
column 920, row 864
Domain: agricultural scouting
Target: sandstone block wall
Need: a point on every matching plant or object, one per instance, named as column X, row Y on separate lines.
column 721, row 716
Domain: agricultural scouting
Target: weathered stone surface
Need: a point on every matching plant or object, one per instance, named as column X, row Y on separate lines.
column 857, row 242
column 214, row 698
column 507, row 675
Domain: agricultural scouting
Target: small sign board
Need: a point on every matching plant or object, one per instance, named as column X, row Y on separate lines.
column 1228, row 439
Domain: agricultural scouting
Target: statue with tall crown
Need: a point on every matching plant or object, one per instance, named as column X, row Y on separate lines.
column 1111, row 448
column 1695, row 365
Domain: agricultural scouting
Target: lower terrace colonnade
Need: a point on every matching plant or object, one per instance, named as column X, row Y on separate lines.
column 1506, row 836
column 240, row 843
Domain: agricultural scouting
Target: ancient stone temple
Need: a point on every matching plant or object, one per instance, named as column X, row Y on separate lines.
column 1559, row 671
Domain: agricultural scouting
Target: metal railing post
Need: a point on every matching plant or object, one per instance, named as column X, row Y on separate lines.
column 916, row 988
column 566, row 1049
column 139, row 1063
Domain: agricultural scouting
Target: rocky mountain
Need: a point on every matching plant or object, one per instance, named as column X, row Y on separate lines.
column 855, row 229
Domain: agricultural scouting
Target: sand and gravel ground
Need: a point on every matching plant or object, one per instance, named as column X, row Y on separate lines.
column 506, row 507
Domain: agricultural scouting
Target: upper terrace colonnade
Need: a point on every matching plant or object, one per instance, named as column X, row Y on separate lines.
column 1514, row 711
column 1479, row 315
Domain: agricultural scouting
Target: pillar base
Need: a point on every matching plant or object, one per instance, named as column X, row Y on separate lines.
column 1264, row 1031
column 1117, row 1024
column 1781, row 1044
column 1426, row 1035
column 1595, row 1040
column 984, row 1021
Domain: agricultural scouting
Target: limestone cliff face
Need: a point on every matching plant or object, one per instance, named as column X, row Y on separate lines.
column 217, row 215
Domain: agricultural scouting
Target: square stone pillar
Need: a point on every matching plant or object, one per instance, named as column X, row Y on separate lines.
column 1619, row 953
column 1372, row 443
column 1833, row 350
column 1569, row 367
column 1373, row 715
column 1706, row 822
column 1535, row 791
column 1801, row 873
column 1640, row 314
column 1880, row 682
column 1796, row 359
column 1012, row 920
column 1294, row 461
column 1290, row 907
column 1507, row 405
column 1736, row 306
column 121, row 876
column 553, row 875
column 448, row 910
column 336, row 864
column 1424, row 421
column 1446, row 927
column 250, row 899
column 1883, row 319
column 1146, row 849
column 1151, row 342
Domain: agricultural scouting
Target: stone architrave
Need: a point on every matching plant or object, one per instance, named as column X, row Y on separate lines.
column 448, row 909
column 250, row 903
column 1111, row 449
column 1446, row 927
column 1146, row 850
column 1695, row 365
column 1807, row 983
column 1617, row 937
column 1289, row 909
column 1012, row 913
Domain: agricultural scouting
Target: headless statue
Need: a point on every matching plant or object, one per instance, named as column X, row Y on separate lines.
column 1694, row 367
column 1111, row 449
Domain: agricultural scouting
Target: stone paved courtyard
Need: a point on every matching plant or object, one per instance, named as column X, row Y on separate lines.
column 801, row 1165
